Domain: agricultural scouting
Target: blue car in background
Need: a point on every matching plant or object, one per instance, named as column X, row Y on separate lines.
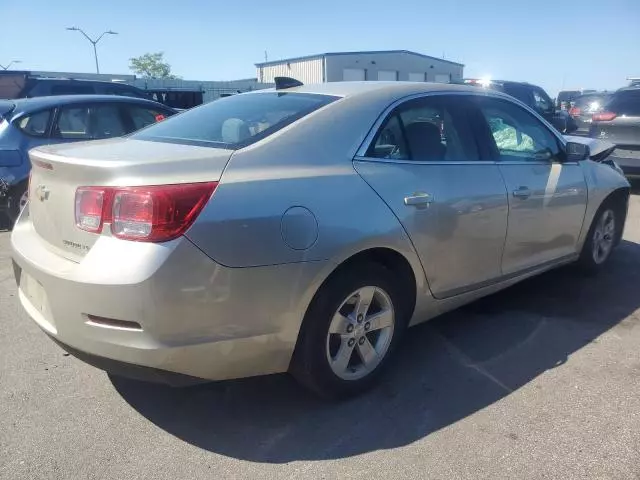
column 31, row 122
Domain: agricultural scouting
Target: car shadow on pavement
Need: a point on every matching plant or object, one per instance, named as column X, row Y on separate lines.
column 446, row 369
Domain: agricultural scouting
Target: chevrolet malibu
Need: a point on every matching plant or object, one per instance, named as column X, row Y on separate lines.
column 302, row 229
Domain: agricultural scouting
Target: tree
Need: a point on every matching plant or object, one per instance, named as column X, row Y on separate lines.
column 151, row 65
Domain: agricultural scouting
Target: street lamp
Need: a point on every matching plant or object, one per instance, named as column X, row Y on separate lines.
column 10, row 63
column 93, row 42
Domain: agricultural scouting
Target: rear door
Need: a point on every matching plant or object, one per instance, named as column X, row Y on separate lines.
column 547, row 196
column 424, row 163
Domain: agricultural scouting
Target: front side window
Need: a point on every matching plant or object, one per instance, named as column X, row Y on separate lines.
column 35, row 124
column 424, row 130
column 237, row 121
column 516, row 133
column 542, row 102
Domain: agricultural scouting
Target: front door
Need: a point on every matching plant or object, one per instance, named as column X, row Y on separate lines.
column 547, row 196
column 424, row 163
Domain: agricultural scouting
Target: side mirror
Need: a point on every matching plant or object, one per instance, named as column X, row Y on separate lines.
column 576, row 152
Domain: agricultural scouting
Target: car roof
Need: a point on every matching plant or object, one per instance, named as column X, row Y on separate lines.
column 502, row 82
column 629, row 89
column 351, row 89
column 26, row 105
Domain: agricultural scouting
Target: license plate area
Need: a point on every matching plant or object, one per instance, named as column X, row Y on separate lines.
column 33, row 290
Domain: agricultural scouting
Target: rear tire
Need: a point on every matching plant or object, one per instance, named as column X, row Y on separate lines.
column 603, row 236
column 350, row 331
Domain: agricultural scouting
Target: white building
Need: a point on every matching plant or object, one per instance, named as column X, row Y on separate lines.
column 401, row 65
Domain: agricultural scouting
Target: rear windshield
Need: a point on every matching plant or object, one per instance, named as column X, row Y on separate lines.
column 567, row 95
column 235, row 122
column 591, row 102
column 626, row 102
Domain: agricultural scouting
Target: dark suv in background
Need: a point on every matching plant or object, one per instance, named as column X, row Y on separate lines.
column 584, row 107
column 533, row 96
column 14, row 85
column 619, row 122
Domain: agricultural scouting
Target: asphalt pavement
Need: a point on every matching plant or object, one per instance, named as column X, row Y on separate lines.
column 539, row 381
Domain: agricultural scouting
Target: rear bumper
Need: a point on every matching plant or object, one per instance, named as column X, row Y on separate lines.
column 130, row 370
column 167, row 307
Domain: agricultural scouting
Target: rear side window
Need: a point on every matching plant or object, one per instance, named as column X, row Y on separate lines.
column 73, row 123
column 520, row 92
column 124, row 91
column 431, row 129
column 88, row 122
column 143, row 117
column 237, row 121
column 625, row 103
column 35, row 124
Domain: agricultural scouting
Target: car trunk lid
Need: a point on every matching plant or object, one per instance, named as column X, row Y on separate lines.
column 57, row 172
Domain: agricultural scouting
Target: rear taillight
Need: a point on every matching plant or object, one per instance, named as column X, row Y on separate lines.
column 90, row 207
column 149, row 214
column 603, row 116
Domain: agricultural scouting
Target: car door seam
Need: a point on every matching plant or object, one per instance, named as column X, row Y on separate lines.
column 506, row 232
column 415, row 250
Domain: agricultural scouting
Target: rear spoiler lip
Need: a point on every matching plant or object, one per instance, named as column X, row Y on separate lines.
column 599, row 150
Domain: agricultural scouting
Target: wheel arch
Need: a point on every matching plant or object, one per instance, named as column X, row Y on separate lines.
column 619, row 198
column 393, row 260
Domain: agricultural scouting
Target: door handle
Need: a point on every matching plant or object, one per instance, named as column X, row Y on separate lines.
column 418, row 199
column 522, row 192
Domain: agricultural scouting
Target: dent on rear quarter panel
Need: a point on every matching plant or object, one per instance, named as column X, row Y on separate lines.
column 308, row 164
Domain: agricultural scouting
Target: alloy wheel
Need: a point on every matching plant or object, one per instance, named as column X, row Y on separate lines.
column 603, row 236
column 360, row 333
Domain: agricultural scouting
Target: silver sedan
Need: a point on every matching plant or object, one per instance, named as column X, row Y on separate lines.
column 303, row 228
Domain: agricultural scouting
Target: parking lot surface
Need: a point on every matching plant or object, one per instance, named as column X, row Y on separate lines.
column 539, row 381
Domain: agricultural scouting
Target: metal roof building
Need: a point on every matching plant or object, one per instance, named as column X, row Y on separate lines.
column 402, row 65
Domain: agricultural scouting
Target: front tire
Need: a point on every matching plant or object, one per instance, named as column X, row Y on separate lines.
column 601, row 239
column 350, row 331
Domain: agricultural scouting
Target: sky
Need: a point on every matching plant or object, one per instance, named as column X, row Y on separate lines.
column 557, row 44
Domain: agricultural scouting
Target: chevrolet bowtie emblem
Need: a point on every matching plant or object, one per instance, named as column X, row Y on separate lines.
column 42, row 192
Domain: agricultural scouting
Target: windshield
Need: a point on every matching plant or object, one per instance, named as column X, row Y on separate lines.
column 235, row 122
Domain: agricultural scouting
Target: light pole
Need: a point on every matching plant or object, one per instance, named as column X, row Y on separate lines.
column 93, row 42
column 10, row 63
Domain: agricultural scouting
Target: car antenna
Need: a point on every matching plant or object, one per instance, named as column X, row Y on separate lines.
column 286, row 82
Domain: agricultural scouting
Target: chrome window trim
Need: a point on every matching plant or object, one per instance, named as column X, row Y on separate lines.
column 361, row 153
column 416, row 162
